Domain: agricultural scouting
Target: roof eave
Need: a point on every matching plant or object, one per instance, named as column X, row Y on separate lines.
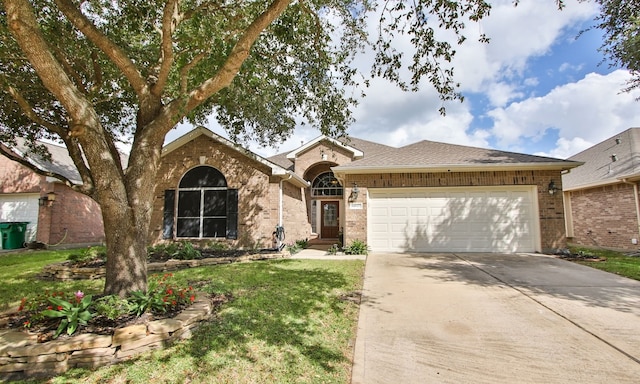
column 357, row 154
column 456, row 168
column 295, row 179
column 628, row 178
column 276, row 170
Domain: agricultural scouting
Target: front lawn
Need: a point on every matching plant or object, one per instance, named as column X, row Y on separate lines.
column 610, row 261
column 288, row 321
column 18, row 272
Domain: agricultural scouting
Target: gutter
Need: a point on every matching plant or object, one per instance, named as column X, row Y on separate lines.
column 455, row 168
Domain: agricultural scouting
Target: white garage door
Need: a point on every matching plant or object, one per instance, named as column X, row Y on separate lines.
column 469, row 219
column 21, row 207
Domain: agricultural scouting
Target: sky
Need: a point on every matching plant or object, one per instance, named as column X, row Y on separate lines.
column 537, row 88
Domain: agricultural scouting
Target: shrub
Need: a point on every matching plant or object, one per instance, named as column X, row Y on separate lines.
column 297, row 246
column 182, row 250
column 357, row 247
column 112, row 306
column 218, row 246
column 91, row 253
column 333, row 250
column 161, row 295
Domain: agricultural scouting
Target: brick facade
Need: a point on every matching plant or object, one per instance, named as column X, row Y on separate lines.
column 73, row 218
column 550, row 207
column 264, row 199
column 605, row 216
column 258, row 192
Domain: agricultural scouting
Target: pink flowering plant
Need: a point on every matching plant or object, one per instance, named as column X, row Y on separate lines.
column 69, row 311
column 72, row 313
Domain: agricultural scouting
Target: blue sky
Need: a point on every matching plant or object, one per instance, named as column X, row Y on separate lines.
column 534, row 89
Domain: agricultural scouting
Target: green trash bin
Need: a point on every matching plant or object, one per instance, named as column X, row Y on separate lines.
column 13, row 234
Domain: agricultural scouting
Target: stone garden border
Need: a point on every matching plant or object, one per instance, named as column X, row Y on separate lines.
column 65, row 271
column 22, row 356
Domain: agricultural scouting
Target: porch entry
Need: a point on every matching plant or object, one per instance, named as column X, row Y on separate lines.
column 329, row 223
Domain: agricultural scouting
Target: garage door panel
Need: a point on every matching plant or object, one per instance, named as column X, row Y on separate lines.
column 458, row 219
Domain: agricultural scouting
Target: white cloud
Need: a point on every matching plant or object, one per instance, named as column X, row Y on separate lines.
column 567, row 147
column 583, row 113
column 578, row 114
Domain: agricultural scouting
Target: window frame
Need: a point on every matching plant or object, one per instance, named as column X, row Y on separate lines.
column 326, row 191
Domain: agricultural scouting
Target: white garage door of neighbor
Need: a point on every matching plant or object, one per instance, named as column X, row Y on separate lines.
column 456, row 219
column 21, row 207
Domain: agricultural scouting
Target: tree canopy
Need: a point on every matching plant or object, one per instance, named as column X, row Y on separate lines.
column 91, row 73
column 620, row 22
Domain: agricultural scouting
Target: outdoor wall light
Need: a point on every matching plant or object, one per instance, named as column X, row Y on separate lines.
column 353, row 196
column 614, row 158
column 47, row 199
column 323, row 155
column 552, row 188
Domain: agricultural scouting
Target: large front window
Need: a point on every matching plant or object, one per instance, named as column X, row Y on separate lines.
column 326, row 185
column 202, row 204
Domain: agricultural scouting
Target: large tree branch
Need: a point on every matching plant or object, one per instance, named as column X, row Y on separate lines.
column 75, row 152
column 115, row 54
column 236, row 58
column 72, row 147
column 170, row 20
column 24, row 27
column 86, row 141
column 184, row 71
column 27, row 109
column 11, row 155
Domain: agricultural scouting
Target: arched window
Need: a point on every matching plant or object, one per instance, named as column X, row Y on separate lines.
column 206, row 208
column 326, row 185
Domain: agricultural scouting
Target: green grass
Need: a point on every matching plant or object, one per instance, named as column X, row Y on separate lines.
column 614, row 262
column 18, row 272
column 287, row 322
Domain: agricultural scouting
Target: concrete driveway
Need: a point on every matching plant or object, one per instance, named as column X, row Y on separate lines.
column 494, row 318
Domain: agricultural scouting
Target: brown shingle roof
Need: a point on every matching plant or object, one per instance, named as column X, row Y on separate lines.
column 600, row 164
column 369, row 148
column 430, row 154
column 60, row 163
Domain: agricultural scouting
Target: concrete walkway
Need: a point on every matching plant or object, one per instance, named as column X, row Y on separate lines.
column 321, row 254
column 492, row 318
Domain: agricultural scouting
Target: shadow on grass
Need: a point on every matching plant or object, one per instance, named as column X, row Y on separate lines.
column 278, row 307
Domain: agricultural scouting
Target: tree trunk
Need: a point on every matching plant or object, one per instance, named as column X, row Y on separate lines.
column 127, row 218
column 126, row 269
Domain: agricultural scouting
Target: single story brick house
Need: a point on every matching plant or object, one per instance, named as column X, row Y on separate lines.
column 57, row 215
column 601, row 196
column 423, row 197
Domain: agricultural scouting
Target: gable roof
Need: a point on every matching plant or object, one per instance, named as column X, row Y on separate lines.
column 357, row 154
column 357, row 146
column 276, row 170
column 60, row 162
column 611, row 161
column 431, row 156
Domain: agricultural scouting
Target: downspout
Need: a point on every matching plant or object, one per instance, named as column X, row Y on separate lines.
column 635, row 198
column 280, row 211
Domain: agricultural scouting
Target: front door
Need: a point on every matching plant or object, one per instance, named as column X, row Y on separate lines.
column 329, row 224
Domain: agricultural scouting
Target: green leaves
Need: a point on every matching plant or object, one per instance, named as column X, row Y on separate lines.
column 424, row 21
column 72, row 314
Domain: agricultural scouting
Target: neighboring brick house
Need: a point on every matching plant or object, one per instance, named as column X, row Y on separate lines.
column 424, row 197
column 25, row 196
column 601, row 196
